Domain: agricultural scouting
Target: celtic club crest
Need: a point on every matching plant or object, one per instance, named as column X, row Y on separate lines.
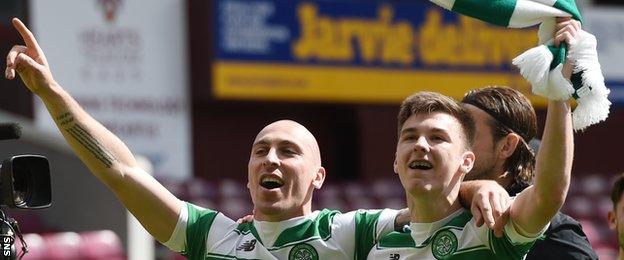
column 303, row 252
column 444, row 244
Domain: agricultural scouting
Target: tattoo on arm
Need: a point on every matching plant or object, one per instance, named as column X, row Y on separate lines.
column 80, row 134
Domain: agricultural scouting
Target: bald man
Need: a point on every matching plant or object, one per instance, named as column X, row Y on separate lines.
column 284, row 169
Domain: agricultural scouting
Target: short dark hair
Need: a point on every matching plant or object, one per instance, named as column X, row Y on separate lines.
column 616, row 191
column 512, row 113
column 429, row 102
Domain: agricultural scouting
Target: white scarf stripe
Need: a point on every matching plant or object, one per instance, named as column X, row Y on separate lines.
column 529, row 13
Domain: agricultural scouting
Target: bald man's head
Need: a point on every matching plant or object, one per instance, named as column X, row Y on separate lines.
column 295, row 132
column 284, row 169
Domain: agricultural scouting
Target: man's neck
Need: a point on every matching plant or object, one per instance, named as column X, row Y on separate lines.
column 426, row 210
column 284, row 215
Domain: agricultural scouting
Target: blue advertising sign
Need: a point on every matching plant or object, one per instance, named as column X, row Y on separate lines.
column 356, row 51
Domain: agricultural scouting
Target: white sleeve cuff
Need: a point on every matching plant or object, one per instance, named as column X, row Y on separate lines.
column 513, row 232
column 177, row 241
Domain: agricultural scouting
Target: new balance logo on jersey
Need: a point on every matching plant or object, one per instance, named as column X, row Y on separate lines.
column 395, row 256
column 249, row 245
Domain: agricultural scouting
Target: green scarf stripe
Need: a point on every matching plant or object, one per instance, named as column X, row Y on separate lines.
column 577, row 82
column 197, row 231
column 496, row 12
column 559, row 54
column 570, row 7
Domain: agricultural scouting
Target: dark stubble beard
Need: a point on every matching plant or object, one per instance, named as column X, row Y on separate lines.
column 482, row 173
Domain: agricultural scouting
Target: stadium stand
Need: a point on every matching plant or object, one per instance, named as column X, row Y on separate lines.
column 89, row 245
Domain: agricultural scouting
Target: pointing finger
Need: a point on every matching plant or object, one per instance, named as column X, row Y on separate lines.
column 486, row 212
column 27, row 35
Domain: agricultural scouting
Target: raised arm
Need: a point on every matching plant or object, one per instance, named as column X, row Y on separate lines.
column 101, row 151
column 535, row 206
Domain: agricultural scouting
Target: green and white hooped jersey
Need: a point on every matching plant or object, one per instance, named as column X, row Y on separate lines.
column 454, row 237
column 325, row 234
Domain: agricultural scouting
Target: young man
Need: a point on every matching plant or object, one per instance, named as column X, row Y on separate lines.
column 616, row 216
column 433, row 155
column 284, row 169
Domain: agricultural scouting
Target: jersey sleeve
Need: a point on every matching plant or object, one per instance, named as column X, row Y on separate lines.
column 512, row 245
column 197, row 229
column 358, row 231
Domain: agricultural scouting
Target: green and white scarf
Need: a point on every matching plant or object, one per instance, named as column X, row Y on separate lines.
column 542, row 65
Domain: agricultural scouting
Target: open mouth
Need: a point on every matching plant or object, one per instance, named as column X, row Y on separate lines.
column 420, row 165
column 271, row 182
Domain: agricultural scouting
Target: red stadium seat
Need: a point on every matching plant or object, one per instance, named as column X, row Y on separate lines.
column 387, row 188
column 593, row 231
column 579, row 207
column 235, row 207
column 594, row 185
column 393, row 203
column 102, row 244
column 328, row 192
column 606, row 252
column 355, row 190
column 200, row 189
column 331, row 203
column 63, row 246
column 37, row 249
column 233, row 189
column 176, row 187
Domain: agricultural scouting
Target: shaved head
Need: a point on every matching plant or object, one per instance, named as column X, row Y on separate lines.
column 299, row 133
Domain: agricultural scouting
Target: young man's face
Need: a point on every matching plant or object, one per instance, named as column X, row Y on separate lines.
column 484, row 146
column 616, row 221
column 431, row 153
column 284, row 168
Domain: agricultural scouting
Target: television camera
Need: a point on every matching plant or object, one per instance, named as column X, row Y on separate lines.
column 24, row 184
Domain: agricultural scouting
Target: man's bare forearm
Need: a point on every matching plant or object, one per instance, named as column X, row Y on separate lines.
column 110, row 160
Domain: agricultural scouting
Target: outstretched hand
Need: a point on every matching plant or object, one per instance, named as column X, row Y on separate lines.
column 29, row 61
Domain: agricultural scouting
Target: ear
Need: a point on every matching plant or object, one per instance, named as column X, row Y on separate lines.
column 319, row 178
column 395, row 165
column 612, row 220
column 507, row 146
column 468, row 159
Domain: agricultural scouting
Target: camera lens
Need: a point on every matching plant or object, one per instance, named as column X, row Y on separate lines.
column 21, row 192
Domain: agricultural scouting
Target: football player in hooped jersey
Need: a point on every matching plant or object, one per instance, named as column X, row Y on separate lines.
column 284, row 169
column 433, row 155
